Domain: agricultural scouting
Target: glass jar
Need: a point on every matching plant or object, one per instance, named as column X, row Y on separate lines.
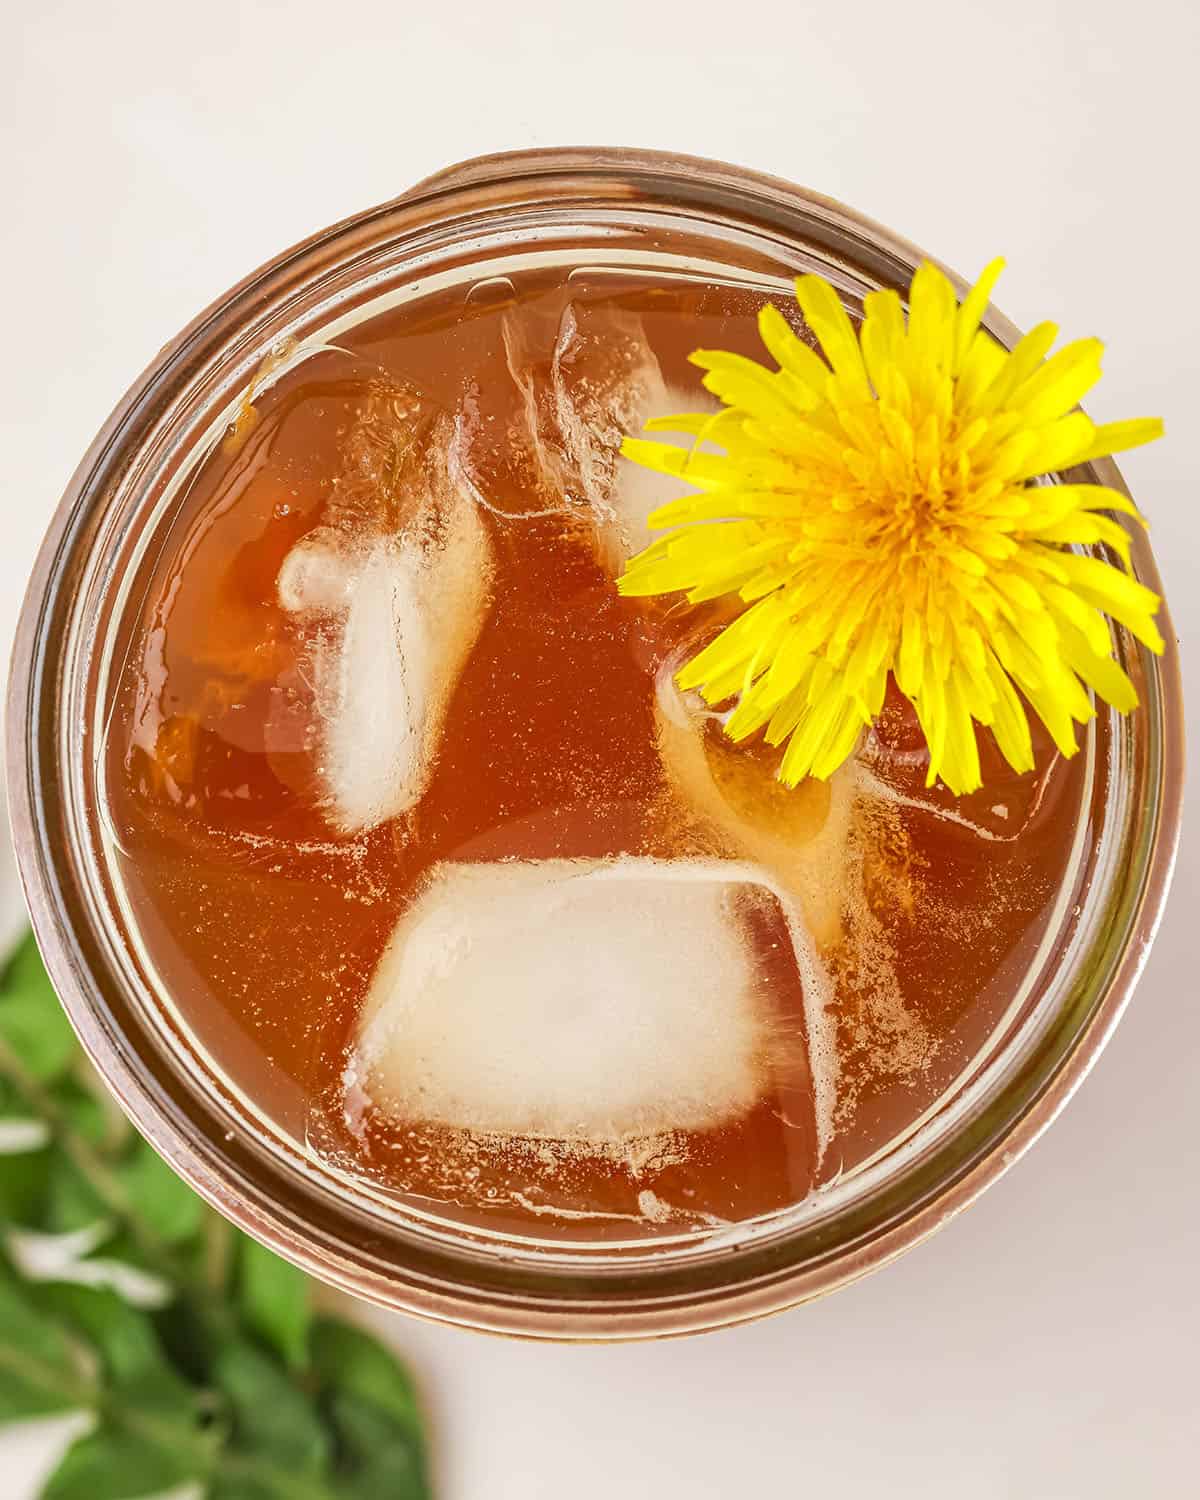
column 473, row 222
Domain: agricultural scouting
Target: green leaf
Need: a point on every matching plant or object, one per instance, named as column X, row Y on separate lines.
column 373, row 1408
column 376, row 1455
column 122, row 1337
column 111, row 1463
column 40, row 1370
column 25, row 1325
column 163, row 1201
column 152, row 1437
column 236, row 1487
column 23, row 1169
column 32, row 1021
column 273, row 1297
column 271, row 1415
column 70, row 1202
column 84, row 1112
column 346, row 1359
column 24, row 966
column 185, row 1331
column 23, row 1181
column 26, row 1395
column 127, row 1346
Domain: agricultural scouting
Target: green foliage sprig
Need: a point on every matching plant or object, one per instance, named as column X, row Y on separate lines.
column 195, row 1351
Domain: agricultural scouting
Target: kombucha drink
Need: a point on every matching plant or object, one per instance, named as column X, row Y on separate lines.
column 444, row 874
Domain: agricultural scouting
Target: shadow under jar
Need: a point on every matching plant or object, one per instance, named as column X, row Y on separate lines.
column 406, row 905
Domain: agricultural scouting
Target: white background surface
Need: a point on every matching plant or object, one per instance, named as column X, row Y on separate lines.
column 1044, row 1345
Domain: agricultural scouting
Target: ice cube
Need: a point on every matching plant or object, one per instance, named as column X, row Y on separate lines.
column 597, row 382
column 798, row 834
column 573, row 1000
column 607, row 384
column 389, row 617
column 604, row 381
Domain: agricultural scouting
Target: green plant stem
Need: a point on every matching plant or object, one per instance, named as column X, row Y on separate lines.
column 218, row 1252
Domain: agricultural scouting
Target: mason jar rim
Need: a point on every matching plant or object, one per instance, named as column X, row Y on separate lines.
column 435, row 1280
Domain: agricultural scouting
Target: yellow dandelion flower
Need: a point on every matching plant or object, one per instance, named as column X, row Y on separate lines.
column 882, row 514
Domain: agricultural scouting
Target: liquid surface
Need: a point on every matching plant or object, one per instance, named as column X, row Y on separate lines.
column 441, row 870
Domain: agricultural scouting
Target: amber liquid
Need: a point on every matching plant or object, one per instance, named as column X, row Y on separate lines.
column 266, row 921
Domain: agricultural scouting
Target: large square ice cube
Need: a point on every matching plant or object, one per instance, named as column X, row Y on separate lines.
column 573, row 999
